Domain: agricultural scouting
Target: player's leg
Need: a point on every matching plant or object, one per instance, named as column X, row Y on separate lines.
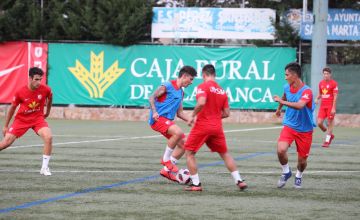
column 194, row 176
column 175, row 135
column 284, row 142
column 178, row 152
column 320, row 123
column 303, row 144
column 7, row 141
column 231, row 166
column 46, row 136
column 329, row 134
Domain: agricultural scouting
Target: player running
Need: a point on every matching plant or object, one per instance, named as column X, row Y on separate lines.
column 211, row 107
column 32, row 98
column 328, row 92
column 298, row 123
column 165, row 103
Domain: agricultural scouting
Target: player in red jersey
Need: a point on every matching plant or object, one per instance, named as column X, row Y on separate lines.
column 328, row 91
column 211, row 107
column 32, row 98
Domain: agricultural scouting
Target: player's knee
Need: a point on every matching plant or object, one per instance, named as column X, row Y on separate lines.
column 48, row 138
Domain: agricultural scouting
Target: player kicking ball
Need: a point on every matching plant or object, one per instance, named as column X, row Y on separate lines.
column 32, row 98
column 165, row 104
column 211, row 107
column 328, row 92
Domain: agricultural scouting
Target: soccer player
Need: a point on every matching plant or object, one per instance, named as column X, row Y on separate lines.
column 211, row 107
column 165, row 103
column 328, row 90
column 32, row 99
column 298, row 123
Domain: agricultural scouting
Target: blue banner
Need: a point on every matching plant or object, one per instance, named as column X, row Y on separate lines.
column 342, row 24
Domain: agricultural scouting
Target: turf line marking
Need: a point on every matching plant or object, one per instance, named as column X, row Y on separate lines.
column 110, row 186
column 133, row 138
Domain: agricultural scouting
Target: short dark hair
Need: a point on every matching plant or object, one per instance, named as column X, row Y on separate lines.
column 327, row 69
column 209, row 70
column 295, row 68
column 187, row 69
column 35, row 71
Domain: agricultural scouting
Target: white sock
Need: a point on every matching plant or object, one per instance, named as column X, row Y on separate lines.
column 285, row 168
column 327, row 139
column 299, row 174
column 173, row 160
column 45, row 162
column 167, row 153
column 195, row 179
column 236, row 176
column 166, row 169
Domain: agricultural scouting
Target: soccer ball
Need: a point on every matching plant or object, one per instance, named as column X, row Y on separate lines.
column 183, row 176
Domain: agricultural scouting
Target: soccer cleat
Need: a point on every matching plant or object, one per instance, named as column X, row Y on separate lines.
column 172, row 167
column 326, row 144
column 331, row 138
column 284, row 177
column 168, row 175
column 193, row 187
column 242, row 185
column 45, row 171
column 297, row 184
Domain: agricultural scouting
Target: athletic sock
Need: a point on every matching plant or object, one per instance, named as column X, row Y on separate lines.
column 167, row 153
column 45, row 162
column 285, row 168
column 236, row 176
column 195, row 179
column 173, row 160
column 327, row 139
column 299, row 174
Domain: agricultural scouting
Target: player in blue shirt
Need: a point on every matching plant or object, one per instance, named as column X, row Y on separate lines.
column 298, row 123
column 165, row 104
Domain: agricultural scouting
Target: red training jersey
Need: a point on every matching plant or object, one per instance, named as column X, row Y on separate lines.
column 216, row 101
column 327, row 89
column 31, row 102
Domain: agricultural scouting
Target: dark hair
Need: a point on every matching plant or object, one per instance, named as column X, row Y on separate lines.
column 295, row 68
column 187, row 69
column 35, row 71
column 327, row 69
column 209, row 70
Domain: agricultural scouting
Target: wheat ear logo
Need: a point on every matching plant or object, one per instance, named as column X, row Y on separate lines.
column 33, row 105
column 96, row 81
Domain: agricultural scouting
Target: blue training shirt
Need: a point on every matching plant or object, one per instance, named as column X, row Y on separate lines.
column 168, row 107
column 301, row 120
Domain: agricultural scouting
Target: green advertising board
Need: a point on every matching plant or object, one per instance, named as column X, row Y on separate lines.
column 95, row 74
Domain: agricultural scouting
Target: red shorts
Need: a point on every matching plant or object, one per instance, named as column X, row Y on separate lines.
column 162, row 125
column 19, row 128
column 325, row 112
column 214, row 139
column 302, row 140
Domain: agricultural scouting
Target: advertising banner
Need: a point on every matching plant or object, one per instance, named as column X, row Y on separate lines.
column 213, row 23
column 342, row 24
column 93, row 74
column 15, row 60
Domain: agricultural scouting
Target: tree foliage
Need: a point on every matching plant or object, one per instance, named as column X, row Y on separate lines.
column 112, row 21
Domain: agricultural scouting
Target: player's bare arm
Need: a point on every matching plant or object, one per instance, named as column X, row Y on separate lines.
column 278, row 110
column 333, row 109
column 296, row 105
column 225, row 113
column 318, row 97
column 9, row 116
column 199, row 105
column 181, row 114
column 158, row 92
column 48, row 106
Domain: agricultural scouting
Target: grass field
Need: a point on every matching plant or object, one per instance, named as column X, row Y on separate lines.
column 109, row 170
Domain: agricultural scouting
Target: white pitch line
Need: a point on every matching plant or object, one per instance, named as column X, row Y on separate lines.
column 147, row 171
column 132, row 138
